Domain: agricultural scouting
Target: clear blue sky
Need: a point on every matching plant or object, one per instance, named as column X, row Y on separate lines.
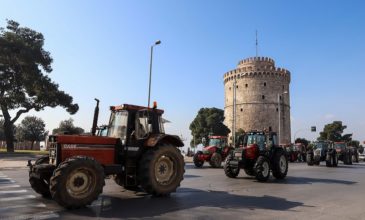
column 101, row 49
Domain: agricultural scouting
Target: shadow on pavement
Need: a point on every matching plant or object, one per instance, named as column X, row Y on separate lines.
column 185, row 198
column 308, row 180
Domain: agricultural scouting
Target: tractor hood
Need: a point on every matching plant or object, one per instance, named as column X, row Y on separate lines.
column 79, row 139
column 210, row 149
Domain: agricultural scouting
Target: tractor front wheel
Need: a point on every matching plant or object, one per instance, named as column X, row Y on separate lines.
column 77, row 182
column 161, row 170
column 262, row 169
column 215, row 160
column 197, row 162
column 309, row 159
column 229, row 170
column 40, row 181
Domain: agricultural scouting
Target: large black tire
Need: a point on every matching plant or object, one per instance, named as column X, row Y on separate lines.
column 279, row 165
column 215, row 160
column 317, row 160
column 350, row 158
column 161, row 170
column 262, row 169
column 198, row 163
column 249, row 172
column 309, row 159
column 334, row 159
column 329, row 159
column 39, row 182
column 231, row 172
column 77, row 182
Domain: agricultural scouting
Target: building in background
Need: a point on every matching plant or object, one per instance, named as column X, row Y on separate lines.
column 262, row 96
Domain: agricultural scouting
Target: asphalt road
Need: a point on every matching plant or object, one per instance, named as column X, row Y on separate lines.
column 206, row 193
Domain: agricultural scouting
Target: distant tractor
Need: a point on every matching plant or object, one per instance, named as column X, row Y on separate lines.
column 257, row 156
column 215, row 152
column 322, row 151
column 292, row 152
column 344, row 153
column 135, row 151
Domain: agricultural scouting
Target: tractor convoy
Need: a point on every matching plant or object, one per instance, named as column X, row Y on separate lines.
column 331, row 152
column 133, row 148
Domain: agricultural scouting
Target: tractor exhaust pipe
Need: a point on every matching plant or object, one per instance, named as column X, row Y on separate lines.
column 96, row 115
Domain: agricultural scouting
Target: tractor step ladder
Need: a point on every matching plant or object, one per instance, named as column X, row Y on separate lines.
column 131, row 173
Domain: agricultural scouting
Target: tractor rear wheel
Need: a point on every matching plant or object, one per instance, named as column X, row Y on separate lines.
column 262, row 169
column 229, row 170
column 161, row 170
column 309, row 159
column 329, row 159
column 334, row 158
column 197, row 162
column 279, row 165
column 317, row 160
column 77, row 182
column 215, row 160
column 39, row 182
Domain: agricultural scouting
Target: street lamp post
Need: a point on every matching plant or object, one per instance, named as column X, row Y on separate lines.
column 149, row 85
column 279, row 109
column 234, row 113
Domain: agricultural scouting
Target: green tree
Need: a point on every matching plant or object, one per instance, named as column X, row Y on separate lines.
column 67, row 127
column 334, row 131
column 304, row 141
column 31, row 129
column 24, row 85
column 2, row 134
column 208, row 121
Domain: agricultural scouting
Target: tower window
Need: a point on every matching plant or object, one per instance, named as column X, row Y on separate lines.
column 246, row 85
column 241, row 109
column 280, row 97
column 283, row 87
column 263, row 97
column 229, row 88
column 237, row 87
column 277, row 109
column 264, row 83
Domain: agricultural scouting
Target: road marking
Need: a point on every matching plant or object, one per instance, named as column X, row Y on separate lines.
column 13, row 191
column 39, row 205
column 8, row 186
column 7, row 182
column 17, row 198
column 38, row 216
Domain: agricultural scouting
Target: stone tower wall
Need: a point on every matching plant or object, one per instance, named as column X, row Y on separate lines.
column 258, row 85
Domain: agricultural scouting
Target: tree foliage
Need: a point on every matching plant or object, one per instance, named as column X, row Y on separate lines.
column 24, row 84
column 67, row 127
column 303, row 141
column 208, row 121
column 334, row 131
column 31, row 129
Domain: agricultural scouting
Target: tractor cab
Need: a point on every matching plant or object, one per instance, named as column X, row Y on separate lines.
column 131, row 123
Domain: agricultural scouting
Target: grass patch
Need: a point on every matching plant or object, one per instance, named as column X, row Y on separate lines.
column 35, row 152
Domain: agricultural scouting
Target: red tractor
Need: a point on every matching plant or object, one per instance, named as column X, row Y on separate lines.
column 135, row 151
column 215, row 152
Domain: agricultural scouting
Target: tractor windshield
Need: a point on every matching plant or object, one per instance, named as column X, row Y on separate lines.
column 118, row 125
column 321, row 145
column 258, row 139
column 215, row 142
column 340, row 145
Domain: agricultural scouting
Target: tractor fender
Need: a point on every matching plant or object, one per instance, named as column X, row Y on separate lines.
column 155, row 139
